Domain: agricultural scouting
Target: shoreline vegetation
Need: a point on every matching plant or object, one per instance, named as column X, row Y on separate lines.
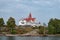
column 11, row 29
column 42, row 35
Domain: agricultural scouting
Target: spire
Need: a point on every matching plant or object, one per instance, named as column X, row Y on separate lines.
column 30, row 16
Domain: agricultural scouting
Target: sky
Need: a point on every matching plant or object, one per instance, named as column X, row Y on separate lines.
column 42, row 10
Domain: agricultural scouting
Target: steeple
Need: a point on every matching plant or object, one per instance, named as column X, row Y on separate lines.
column 30, row 16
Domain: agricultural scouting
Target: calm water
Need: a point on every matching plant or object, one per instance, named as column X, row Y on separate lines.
column 29, row 38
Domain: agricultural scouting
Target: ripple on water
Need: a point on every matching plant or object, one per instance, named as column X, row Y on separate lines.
column 29, row 38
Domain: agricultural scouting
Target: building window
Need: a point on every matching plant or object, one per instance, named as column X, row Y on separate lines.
column 22, row 22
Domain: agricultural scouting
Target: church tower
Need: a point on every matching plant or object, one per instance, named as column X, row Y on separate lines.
column 28, row 21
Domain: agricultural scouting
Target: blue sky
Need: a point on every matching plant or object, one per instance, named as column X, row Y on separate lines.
column 42, row 10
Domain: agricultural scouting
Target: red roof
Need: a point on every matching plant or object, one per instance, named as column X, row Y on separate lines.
column 29, row 18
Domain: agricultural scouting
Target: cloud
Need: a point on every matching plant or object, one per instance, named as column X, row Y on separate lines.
column 28, row 4
column 5, row 10
column 47, row 3
column 44, row 9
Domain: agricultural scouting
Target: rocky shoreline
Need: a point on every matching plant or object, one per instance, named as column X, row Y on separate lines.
column 26, row 35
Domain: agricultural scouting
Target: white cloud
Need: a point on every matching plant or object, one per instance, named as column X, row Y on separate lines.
column 42, row 2
column 29, row 5
column 5, row 10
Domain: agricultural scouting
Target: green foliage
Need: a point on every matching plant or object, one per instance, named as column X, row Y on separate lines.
column 54, row 26
column 41, row 29
column 1, row 22
column 11, row 25
column 13, row 31
column 35, row 27
column 11, row 22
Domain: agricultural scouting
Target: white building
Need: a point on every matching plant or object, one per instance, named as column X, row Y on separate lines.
column 28, row 21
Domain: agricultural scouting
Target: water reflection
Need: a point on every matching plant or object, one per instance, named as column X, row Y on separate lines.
column 54, row 38
column 3, row 38
column 37, row 38
column 29, row 38
column 11, row 38
column 0, row 38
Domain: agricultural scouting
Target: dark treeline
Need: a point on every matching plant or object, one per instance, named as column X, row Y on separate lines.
column 10, row 25
column 53, row 27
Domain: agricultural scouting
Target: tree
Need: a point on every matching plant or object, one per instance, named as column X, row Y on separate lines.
column 11, row 24
column 1, row 22
column 44, row 27
column 41, row 29
column 54, row 26
column 50, row 27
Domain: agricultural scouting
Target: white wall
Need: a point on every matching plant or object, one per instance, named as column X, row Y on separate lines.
column 22, row 22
